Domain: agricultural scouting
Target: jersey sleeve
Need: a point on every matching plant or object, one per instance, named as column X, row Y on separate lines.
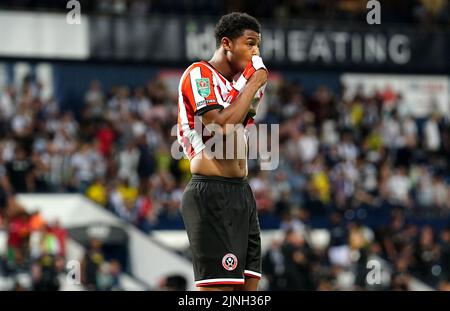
column 199, row 90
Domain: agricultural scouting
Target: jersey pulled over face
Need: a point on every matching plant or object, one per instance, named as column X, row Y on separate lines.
column 201, row 89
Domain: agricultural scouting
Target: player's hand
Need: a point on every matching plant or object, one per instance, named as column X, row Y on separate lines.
column 259, row 77
column 255, row 64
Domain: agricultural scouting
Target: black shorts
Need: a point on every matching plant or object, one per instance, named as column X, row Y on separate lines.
column 221, row 221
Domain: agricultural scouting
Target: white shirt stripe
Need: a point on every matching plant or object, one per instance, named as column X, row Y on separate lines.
column 196, row 74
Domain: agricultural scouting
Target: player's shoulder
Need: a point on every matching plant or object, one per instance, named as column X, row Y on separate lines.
column 204, row 67
column 199, row 70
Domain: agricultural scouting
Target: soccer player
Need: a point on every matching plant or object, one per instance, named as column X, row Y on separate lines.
column 218, row 206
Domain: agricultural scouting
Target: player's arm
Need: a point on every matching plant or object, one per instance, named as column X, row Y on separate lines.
column 235, row 113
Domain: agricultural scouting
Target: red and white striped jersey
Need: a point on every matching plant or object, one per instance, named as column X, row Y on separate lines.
column 201, row 89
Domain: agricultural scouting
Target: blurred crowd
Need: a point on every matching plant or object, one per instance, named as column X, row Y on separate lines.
column 43, row 150
column 389, row 257
column 97, row 272
column 359, row 158
column 34, row 252
column 374, row 176
column 353, row 153
column 417, row 11
column 34, row 256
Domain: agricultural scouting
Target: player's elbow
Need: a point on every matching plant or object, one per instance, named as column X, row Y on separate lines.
column 221, row 128
column 227, row 124
column 222, row 122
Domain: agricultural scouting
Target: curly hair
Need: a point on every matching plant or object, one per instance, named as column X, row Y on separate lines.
column 233, row 25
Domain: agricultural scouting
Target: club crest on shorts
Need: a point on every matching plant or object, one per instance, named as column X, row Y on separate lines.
column 229, row 262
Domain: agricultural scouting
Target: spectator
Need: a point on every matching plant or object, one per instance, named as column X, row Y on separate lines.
column 90, row 267
column 399, row 188
column 105, row 136
column 297, row 260
column 108, row 276
column 44, row 274
column 426, row 255
column 273, row 264
column 128, row 163
column 445, row 255
column 97, row 192
column 432, row 134
column 94, row 100
column 20, row 172
column 174, row 283
column 308, row 145
column 86, row 165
